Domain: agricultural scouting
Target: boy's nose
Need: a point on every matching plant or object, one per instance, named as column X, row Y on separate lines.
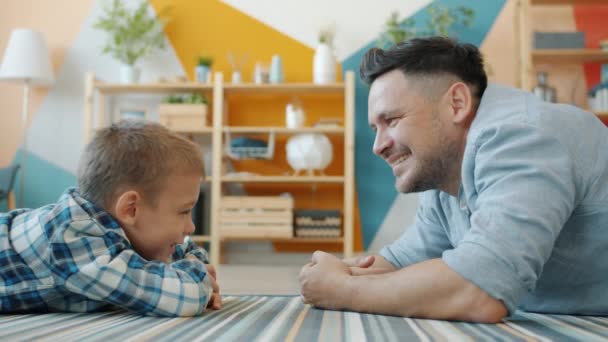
column 189, row 228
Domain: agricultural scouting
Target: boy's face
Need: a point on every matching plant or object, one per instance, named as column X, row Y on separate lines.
column 159, row 228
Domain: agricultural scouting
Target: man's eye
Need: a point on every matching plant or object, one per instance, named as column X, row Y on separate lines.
column 186, row 212
column 391, row 122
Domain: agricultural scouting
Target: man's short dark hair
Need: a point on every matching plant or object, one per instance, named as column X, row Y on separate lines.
column 431, row 56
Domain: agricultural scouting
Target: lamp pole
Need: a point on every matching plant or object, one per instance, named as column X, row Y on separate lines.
column 26, row 60
column 26, row 98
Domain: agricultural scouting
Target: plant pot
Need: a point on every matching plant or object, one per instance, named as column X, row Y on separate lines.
column 129, row 74
column 202, row 74
column 324, row 65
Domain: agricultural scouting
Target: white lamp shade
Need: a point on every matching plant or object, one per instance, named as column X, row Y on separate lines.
column 26, row 58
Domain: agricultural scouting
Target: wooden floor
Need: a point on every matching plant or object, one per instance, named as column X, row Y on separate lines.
column 259, row 280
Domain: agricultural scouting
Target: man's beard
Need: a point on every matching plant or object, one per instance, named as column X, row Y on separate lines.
column 433, row 171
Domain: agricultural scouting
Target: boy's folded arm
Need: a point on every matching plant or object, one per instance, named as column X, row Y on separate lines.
column 190, row 247
column 126, row 280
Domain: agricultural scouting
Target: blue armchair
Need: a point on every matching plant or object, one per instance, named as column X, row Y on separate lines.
column 7, row 180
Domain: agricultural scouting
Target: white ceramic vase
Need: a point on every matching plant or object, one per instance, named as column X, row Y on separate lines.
column 324, row 65
column 129, row 74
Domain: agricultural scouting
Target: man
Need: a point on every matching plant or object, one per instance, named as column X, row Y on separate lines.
column 514, row 209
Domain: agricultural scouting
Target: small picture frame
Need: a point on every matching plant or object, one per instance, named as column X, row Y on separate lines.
column 132, row 113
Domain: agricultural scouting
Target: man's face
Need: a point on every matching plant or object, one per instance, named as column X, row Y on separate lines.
column 410, row 134
column 159, row 228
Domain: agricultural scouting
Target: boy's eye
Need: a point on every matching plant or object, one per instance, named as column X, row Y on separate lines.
column 185, row 212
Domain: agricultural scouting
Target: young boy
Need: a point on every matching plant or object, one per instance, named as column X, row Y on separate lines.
column 118, row 241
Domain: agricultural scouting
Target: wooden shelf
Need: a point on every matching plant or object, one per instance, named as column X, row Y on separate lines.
column 204, row 130
column 97, row 92
column 602, row 114
column 281, row 179
column 563, row 56
column 117, row 88
column 568, row 2
column 333, row 88
column 283, row 130
column 201, row 238
column 286, row 240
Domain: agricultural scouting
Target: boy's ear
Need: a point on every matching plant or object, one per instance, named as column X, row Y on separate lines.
column 127, row 207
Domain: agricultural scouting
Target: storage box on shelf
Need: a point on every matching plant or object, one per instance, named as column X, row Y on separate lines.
column 224, row 225
column 256, row 217
column 183, row 116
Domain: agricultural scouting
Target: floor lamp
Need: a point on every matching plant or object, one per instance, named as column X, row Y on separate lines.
column 26, row 60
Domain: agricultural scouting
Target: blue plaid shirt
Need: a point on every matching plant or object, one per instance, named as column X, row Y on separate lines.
column 73, row 256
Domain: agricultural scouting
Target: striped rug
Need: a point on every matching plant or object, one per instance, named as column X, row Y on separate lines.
column 278, row 318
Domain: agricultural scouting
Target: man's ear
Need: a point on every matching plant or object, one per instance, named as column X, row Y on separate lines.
column 127, row 207
column 460, row 101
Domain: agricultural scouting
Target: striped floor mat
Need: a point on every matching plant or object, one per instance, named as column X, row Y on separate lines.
column 277, row 318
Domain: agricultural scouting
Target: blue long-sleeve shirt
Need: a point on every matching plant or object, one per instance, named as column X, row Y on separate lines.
column 530, row 223
column 73, row 256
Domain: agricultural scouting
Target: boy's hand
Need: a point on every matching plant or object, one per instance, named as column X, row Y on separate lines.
column 215, row 302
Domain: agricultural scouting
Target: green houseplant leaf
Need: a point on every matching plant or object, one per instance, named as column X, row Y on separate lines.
column 132, row 34
column 442, row 21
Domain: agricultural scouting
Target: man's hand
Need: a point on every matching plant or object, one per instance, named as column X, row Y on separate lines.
column 323, row 281
column 369, row 264
column 215, row 302
column 362, row 261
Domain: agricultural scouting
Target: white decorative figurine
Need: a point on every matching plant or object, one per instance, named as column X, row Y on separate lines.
column 311, row 151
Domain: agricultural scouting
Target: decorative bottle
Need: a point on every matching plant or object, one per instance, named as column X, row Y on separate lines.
column 542, row 90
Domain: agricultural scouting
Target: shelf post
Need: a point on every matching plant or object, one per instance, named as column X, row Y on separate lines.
column 89, row 92
column 216, row 167
column 349, row 165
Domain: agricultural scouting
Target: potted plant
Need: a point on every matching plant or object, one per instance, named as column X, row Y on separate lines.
column 132, row 35
column 203, row 69
column 184, row 113
column 324, row 61
column 441, row 21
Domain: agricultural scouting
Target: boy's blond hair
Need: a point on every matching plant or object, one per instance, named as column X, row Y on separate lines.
column 134, row 154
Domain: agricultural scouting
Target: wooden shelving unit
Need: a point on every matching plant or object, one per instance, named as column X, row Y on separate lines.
column 284, row 88
column 113, row 88
column 220, row 127
column 95, row 117
column 286, row 240
column 529, row 58
column 567, row 2
column 568, row 56
column 284, row 130
column 602, row 115
column 282, row 179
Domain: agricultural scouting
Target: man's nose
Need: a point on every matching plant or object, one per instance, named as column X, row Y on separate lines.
column 381, row 143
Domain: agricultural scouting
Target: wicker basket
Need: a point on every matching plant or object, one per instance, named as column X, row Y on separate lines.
column 317, row 223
